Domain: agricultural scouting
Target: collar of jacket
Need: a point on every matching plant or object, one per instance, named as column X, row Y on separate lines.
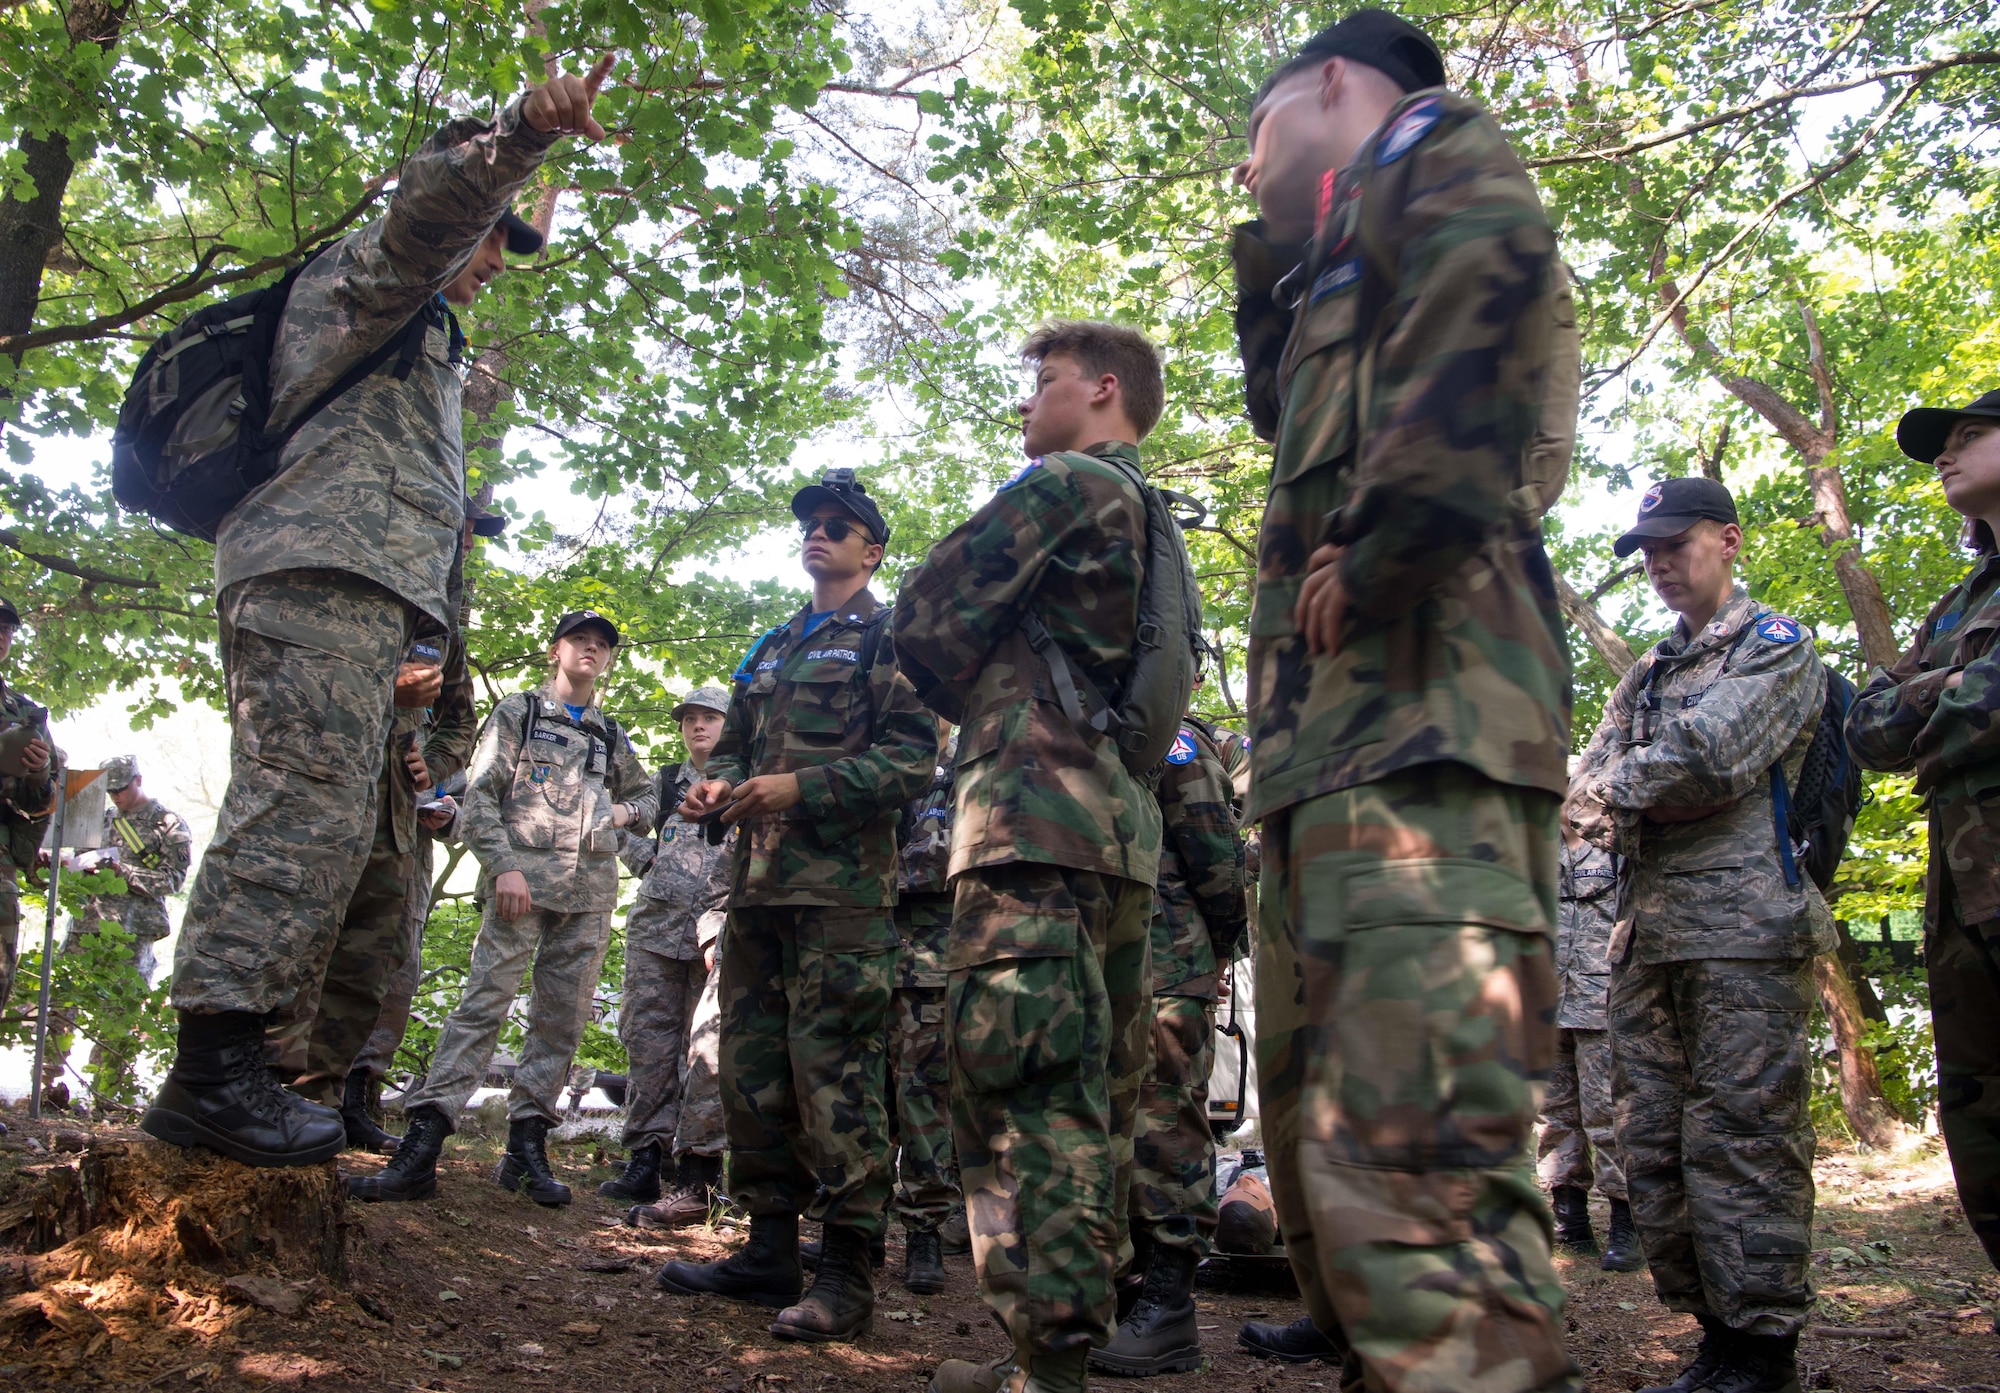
column 860, row 605
column 547, row 703
column 1115, row 449
column 1739, row 609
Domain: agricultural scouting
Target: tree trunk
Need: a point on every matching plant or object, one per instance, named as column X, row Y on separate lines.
column 1609, row 644
column 1875, row 1122
column 1872, row 621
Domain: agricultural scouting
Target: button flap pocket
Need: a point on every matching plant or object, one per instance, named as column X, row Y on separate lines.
column 992, row 922
column 1441, row 891
column 1775, row 1238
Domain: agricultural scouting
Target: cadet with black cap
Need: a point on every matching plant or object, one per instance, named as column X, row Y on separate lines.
column 324, row 576
column 1411, row 680
column 1711, row 987
column 823, row 744
column 1935, row 713
column 27, row 797
column 552, row 780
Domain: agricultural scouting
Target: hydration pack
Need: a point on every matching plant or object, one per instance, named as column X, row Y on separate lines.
column 1818, row 816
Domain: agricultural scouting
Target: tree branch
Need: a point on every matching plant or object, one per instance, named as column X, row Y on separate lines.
column 91, row 574
column 1607, row 641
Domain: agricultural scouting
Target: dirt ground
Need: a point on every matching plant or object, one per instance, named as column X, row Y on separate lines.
column 480, row 1290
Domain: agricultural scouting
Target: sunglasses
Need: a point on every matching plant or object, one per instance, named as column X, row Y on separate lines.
column 836, row 529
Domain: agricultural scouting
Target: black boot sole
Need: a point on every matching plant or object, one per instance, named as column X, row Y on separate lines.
column 824, row 1337
column 1184, row 1360
column 360, row 1188
column 178, row 1129
column 923, row 1285
column 613, row 1190
column 518, row 1184
column 1630, row 1262
column 1257, row 1351
column 770, row 1301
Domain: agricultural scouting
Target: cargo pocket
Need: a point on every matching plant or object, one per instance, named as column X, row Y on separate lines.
column 1774, row 1259
column 1018, row 1023
column 307, row 711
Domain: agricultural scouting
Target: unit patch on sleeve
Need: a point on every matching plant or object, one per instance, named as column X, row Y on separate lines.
column 1775, row 628
column 1184, row 748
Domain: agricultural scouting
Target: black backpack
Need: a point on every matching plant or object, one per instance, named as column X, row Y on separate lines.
column 191, row 440
column 1819, row 815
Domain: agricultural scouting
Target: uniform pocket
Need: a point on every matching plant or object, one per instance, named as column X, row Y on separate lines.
column 848, row 930
column 1018, row 1023
column 427, row 492
column 308, row 711
column 817, row 715
column 1319, row 383
column 1774, row 1259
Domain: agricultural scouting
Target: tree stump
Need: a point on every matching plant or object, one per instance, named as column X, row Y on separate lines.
column 127, row 1203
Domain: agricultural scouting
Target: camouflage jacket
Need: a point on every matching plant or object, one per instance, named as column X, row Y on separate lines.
column 860, row 743
column 683, row 881
column 538, row 799
column 1453, row 647
column 923, row 838
column 375, row 484
column 1695, row 723
column 1065, row 538
column 1200, row 908
column 1235, row 752
column 444, row 731
column 1906, row 720
column 1587, row 906
column 25, row 802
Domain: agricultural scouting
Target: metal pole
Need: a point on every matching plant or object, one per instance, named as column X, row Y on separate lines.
column 49, row 943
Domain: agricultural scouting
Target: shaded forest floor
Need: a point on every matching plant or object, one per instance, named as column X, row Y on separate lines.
column 480, row 1290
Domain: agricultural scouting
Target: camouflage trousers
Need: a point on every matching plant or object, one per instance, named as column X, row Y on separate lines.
column 805, row 1036
column 310, row 658
column 1050, row 1031
column 315, row 1037
column 567, row 950
column 1964, row 963
column 1406, row 1001
column 1173, row 1167
column 926, row 1166
column 1578, row 1145
column 701, row 1131
column 393, row 1021
column 654, row 1012
column 1712, row 1079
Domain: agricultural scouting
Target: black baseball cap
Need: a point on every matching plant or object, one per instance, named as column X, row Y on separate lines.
column 1383, row 41
column 841, row 487
column 581, row 618
column 478, row 511
column 1922, row 432
column 1671, row 506
column 8, row 614
column 522, row 239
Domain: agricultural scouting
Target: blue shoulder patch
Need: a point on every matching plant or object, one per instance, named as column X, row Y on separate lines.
column 1775, row 628
column 1411, row 127
column 1184, row 748
column 1023, row 472
column 1947, row 622
column 1337, row 277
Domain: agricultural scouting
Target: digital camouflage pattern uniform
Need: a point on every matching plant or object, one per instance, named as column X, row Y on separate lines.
column 26, row 801
column 538, row 800
column 921, row 1069
column 1055, row 848
column 1711, row 977
column 323, row 1031
column 326, row 573
column 1408, row 784
column 677, row 913
column 1579, row 1146
column 392, row 1022
column 1199, row 917
column 809, row 952
column 1906, row 720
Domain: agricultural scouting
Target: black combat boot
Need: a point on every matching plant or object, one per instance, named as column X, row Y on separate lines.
column 764, row 1271
column 1710, row 1356
column 220, row 1095
column 1160, row 1336
column 525, row 1167
column 641, row 1180
column 878, row 1252
column 1572, row 1206
column 1128, row 1284
column 412, row 1173
column 363, row 1133
column 923, row 1264
column 1758, row 1364
column 841, row 1303
column 1622, row 1252
column 1298, row 1343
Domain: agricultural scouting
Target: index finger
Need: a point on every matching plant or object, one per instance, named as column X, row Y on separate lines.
column 599, row 70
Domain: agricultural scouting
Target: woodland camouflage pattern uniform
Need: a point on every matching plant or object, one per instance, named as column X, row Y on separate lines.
column 1199, row 917
column 921, row 1069
column 677, row 913
column 809, row 952
column 1578, row 1145
column 325, row 574
column 1408, row 785
column 538, row 800
column 25, row 805
column 1711, row 978
column 323, row 1032
column 1055, row 848
column 1908, row 720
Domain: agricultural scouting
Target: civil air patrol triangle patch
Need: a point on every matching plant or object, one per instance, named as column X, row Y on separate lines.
column 1184, row 748
column 1775, row 628
column 1411, row 127
column 1651, row 500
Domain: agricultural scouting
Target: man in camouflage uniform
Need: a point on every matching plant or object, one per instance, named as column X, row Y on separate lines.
column 700, row 1138
column 27, row 798
column 1933, row 713
column 1711, row 976
column 1410, row 691
column 1199, row 918
column 324, row 576
column 1578, row 1147
column 823, row 744
column 1055, row 848
column 676, row 916
column 921, row 1069
column 552, row 780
